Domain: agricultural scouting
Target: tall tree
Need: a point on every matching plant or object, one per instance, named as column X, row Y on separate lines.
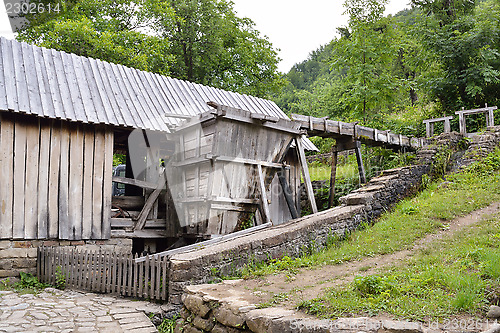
column 467, row 45
column 364, row 56
column 213, row 46
column 197, row 40
column 111, row 30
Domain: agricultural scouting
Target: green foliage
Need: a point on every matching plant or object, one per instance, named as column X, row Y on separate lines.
column 60, row 278
column 414, row 218
column 373, row 285
column 464, row 39
column 119, row 159
column 109, row 30
column 167, row 325
column 202, row 41
column 28, row 284
column 364, row 58
column 213, row 46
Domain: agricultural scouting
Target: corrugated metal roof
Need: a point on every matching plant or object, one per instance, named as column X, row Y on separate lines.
column 54, row 84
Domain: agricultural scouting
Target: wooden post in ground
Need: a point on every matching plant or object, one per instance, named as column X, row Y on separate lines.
column 305, row 173
column 333, row 175
column 361, row 167
column 263, row 195
column 288, row 194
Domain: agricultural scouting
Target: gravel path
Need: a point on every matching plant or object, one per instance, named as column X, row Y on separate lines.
column 70, row 311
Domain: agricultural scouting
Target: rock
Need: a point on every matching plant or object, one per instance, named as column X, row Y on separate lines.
column 494, row 312
column 184, row 313
column 204, row 324
column 221, row 329
column 196, row 305
column 191, row 329
column 227, row 318
column 179, row 326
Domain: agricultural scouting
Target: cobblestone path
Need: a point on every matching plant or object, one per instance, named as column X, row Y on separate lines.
column 71, row 311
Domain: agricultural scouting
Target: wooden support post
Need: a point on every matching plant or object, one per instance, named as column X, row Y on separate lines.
column 428, row 129
column 361, row 167
column 333, row 175
column 305, row 173
column 461, row 122
column 263, row 195
column 490, row 118
column 447, row 126
column 288, row 194
column 148, row 206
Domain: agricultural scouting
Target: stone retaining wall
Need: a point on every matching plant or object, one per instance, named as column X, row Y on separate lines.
column 294, row 237
column 217, row 309
column 20, row 256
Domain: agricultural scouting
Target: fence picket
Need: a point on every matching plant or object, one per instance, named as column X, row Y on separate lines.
column 103, row 271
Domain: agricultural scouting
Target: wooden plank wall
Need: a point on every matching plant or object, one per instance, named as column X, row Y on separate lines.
column 55, row 179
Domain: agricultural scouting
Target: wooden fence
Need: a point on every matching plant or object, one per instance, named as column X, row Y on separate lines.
column 104, row 272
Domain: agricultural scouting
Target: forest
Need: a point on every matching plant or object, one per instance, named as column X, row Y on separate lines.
column 388, row 72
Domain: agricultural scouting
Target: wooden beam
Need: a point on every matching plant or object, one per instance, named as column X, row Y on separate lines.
column 305, row 173
column 361, row 167
column 288, row 194
column 333, row 175
column 263, row 195
column 135, row 182
column 141, row 219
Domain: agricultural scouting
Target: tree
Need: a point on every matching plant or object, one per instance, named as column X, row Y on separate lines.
column 212, row 46
column 365, row 56
column 467, row 46
column 110, row 30
column 202, row 41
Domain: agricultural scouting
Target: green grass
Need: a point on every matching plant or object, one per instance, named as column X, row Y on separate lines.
column 319, row 171
column 411, row 220
column 453, row 276
column 449, row 277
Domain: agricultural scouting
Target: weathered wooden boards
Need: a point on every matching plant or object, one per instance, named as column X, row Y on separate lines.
column 429, row 125
column 226, row 162
column 340, row 130
column 105, row 272
column 487, row 110
column 55, row 179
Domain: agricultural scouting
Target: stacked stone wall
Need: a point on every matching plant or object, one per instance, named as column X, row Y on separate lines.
column 20, row 256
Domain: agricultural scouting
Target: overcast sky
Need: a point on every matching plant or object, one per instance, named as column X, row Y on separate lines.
column 296, row 27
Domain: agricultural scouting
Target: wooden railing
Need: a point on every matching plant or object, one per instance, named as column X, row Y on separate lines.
column 104, row 272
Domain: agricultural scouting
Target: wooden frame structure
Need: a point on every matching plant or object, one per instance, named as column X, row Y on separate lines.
column 487, row 110
column 226, row 161
column 429, row 125
column 348, row 136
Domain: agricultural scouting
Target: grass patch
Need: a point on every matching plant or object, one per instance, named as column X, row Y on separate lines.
column 412, row 219
column 453, row 276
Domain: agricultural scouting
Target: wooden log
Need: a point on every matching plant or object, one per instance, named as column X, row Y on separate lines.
column 54, row 172
column 287, row 194
column 141, row 219
column 128, row 202
column 361, row 167
column 263, row 195
column 333, row 176
column 64, row 223
column 305, row 173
